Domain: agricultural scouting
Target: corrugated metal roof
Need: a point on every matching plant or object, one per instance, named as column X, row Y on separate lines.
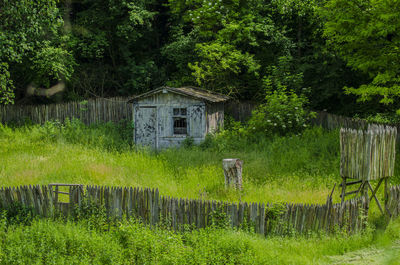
column 187, row 91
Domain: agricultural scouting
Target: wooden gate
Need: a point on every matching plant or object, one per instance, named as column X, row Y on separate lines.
column 65, row 205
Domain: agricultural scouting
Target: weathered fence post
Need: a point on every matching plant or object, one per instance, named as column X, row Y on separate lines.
column 233, row 172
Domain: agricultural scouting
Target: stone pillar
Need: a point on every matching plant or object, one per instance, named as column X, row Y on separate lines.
column 233, row 172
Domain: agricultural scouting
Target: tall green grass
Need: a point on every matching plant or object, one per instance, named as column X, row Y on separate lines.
column 66, row 242
column 297, row 168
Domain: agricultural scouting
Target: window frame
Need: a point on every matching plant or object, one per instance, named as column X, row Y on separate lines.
column 179, row 115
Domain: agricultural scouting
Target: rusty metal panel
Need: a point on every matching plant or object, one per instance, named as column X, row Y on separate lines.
column 197, row 121
column 145, row 126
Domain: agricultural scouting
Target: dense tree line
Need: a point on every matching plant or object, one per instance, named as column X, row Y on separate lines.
column 242, row 48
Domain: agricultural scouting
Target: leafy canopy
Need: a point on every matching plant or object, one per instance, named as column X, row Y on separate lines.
column 32, row 46
column 366, row 34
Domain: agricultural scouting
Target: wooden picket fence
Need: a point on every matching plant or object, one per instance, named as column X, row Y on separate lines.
column 368, row 155
column 332, row 121
column 115, row 109
column 90, row 111
column 149, row 206
column 95, row 110
column 393, row 201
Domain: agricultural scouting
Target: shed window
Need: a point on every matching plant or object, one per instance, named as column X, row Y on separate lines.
column 180, row 121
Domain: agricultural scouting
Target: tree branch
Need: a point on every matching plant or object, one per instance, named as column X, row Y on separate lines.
column 45, row 92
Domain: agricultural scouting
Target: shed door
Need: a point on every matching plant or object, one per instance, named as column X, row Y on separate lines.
column 197, row 121
column 145, row 129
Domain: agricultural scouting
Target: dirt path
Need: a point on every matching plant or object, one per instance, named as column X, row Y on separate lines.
column 370, row 256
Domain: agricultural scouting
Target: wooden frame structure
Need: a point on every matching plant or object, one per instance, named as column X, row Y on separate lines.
column 73, row 196
column 367, row 156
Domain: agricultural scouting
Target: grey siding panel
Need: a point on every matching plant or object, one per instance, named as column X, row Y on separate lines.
column 165, row 125
column 145, row 127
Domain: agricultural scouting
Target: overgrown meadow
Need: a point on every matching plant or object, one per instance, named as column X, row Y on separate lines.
column 295, row 168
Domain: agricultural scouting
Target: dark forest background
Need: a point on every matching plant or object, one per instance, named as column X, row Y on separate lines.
column 342, row 55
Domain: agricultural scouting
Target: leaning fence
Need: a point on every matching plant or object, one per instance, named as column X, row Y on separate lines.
column 151, row 207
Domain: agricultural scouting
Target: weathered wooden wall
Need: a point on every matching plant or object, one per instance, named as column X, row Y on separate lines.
column 162, row 127
column 90, row 111
column 240, row 110
column 151, row 208
column 368, row 154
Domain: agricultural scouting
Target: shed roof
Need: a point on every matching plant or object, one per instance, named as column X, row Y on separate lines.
column 186, row 91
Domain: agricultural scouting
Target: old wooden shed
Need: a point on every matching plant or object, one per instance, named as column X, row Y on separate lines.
column 166, row 116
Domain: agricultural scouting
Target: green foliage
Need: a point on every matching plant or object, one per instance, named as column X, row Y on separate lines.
column 273, row 214
column 59, row 242
column 382, row 118
column 17, row 213
column 33, row 46
column 94, row 216
column 188, row 142
column 219, row 219
column 234, row 43
column 120, row 48
column 114, row 41
column 55, row 242
column 283, row 112
column 6, row 85
column 365, row 34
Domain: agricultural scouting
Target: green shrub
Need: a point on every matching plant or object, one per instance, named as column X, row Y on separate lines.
column 382, row 118
column 283, row 112
column 188, row 142
column 219, row 219
column 94, row 216
column 17, row 213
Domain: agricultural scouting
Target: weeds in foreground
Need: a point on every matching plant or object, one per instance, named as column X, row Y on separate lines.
column 79, row 241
